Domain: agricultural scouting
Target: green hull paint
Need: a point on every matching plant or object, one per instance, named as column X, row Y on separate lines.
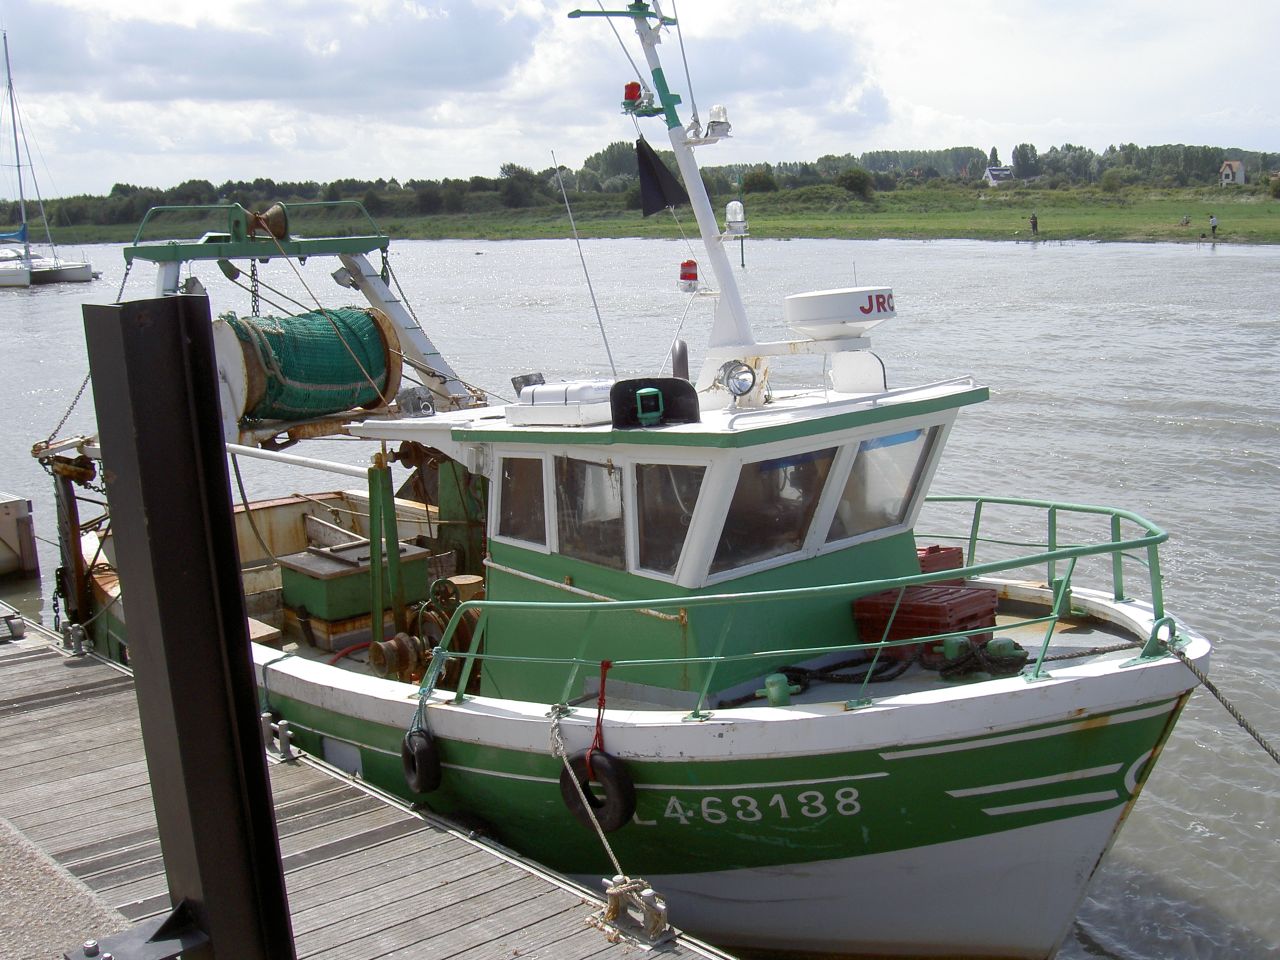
column 697, row 816
column 107, row 636
column 620, row 635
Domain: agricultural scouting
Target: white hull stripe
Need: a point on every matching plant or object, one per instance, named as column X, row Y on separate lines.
column 1037, row 782
column 1041, row 734
column 708, row 788
column 498, row 774
column 700, row 788
column 355, row 743
column 1103, row 796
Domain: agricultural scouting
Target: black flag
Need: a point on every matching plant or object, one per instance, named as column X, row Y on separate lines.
column 659, row 188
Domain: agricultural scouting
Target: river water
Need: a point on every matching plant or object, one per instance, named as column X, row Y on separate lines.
column 1140, row 376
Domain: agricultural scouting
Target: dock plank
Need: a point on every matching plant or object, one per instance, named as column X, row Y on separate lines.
column 366, row 876
column 392, row 926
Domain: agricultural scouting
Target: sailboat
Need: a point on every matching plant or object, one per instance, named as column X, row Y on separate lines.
column 19, row 267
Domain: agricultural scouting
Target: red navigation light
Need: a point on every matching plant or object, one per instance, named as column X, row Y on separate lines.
column 689, row 276
column 631, row 91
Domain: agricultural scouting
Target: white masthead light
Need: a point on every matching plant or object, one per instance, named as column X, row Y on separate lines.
column 718, row 125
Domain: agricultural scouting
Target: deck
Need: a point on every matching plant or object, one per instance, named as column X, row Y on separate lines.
column 367, row 877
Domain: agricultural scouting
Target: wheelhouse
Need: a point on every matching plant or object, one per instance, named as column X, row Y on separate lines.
column 805, row 490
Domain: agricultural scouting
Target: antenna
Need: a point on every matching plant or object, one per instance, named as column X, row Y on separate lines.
column 585, row 272
column 688, row 81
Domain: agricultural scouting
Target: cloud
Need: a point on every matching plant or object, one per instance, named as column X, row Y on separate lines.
column 156, row 93
column 318, row 54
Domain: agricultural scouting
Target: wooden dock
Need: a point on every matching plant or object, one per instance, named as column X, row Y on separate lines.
column 367, row 877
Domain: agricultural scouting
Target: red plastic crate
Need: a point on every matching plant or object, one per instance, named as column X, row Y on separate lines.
column 924, row 611
column 935, row 557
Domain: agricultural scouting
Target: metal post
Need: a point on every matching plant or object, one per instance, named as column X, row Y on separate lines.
column 154, row 388
column 377, row 592
column 1117, row 562
column 72, row 575
column 390, row 534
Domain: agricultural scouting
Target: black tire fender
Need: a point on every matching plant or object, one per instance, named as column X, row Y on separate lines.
column 616, row 807
column 421, row 761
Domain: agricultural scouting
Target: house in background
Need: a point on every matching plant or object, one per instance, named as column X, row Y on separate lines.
column 1232, row 172
column 998, row 175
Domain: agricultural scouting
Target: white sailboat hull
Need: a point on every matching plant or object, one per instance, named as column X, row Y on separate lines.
column 57, row 270
column 42, row 270
column 14, row 275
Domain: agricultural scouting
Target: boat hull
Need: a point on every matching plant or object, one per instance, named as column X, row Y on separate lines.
column 982, row 897
column 14, row 275
column 61, row 272
column 43, row 270
column 961, row 822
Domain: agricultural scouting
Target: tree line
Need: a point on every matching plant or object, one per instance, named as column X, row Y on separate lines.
column 609, row 179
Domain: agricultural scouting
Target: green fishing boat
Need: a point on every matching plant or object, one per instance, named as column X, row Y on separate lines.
column 700, row 630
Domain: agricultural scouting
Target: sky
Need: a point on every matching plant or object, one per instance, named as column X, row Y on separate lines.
column 156, row 92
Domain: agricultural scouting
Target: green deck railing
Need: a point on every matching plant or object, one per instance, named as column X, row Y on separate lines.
column 1050, row 553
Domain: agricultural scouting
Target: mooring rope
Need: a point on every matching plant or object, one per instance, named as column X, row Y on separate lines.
column 248, row 510
column 560, row 750
column 597, row 741
column 1227, row 705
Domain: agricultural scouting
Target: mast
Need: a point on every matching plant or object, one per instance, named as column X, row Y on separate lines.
column 730, row 327
column 17, row 152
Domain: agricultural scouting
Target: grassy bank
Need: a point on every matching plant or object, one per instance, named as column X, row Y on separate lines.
column 943, row 211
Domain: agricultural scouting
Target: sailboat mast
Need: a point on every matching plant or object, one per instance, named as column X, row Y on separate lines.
column 17, row 151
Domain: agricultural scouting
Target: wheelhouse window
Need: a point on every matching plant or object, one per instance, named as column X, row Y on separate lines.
column 522, row 512
column 771, row 508
column 665, row 497
column 882, row 483
column 589, row 518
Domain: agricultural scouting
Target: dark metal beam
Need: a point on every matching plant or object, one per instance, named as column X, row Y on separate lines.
column 73, row 578
column 155, row 389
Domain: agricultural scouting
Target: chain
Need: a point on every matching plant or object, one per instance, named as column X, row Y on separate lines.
column 255, row 299
column 123, row 280
column 58, row 594
column 61, row 423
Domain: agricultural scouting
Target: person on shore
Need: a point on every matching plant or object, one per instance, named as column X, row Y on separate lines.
column 1213, row 226
column 1035, row 225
